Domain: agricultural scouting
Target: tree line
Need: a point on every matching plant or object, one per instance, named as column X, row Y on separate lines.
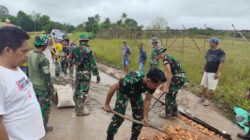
column 39, row 22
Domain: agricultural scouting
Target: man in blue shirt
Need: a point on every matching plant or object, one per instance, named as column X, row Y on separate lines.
column 126, row 56
column 142, row 58
column 215, row 58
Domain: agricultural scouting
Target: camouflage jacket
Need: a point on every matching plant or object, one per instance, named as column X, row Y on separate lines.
column 175, row 65
column 83, row 58
column 39, row 71
column 153, row 60
column 132, row 84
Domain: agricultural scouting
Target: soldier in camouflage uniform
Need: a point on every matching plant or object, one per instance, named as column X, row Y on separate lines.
column 85, row 64
column 176, row 78
column 154, row 63
column 39, row 73
column 131, row 88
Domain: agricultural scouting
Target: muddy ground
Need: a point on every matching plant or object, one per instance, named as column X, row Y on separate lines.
column 93, row 127
column 69, row 127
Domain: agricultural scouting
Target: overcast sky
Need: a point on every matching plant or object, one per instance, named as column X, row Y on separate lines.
column 219, row 14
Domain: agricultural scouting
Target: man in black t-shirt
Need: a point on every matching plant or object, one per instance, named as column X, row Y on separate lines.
column 215, row 58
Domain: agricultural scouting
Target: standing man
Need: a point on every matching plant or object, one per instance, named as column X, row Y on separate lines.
column 126, row 56
column 65, row 53
column 153, row 61
column 142, row 58
column 131, row 88
column 85, row 64
column 176, row 78
column 39, row 72
column 215, row 58
column 20, row 114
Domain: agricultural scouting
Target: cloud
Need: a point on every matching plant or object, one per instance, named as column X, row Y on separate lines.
column 216, row 14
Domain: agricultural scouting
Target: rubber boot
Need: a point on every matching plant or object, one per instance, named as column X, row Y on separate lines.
column 80, row 111
column 110, row 137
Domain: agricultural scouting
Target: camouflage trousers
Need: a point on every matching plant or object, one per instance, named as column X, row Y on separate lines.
column 81, row 89
column 58, row 68
column 170, row 100
column 120, row 107
column 44, row 99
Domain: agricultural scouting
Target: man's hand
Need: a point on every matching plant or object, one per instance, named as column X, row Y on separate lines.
column 98, row 79
column 107, row 108
column 166, row 91
column 216, row 75
column 146, row 122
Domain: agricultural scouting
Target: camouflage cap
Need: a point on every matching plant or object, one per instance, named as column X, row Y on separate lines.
column 83, row 37
column 160, row 50
column 41, row 40
column 154, row 40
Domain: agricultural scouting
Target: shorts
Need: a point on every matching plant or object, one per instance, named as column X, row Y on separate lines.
column 208, row 81
column 125, row 62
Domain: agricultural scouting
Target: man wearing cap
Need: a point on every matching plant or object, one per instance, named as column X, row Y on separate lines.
column 126, row 56
column 39, row 73
column 153, row 61
column 85, row 64
column 215, row 58
column 176, row 78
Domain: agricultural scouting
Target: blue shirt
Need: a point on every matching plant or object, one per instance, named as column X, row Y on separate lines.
column 143, row 56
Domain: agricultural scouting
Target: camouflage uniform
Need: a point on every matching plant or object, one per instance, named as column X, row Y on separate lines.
column 84, row 62
column 178, row 80
column 154, row 63
column 131, row 88
column 40, row 77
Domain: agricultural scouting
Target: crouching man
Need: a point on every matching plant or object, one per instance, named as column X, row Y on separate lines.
column 131, row 88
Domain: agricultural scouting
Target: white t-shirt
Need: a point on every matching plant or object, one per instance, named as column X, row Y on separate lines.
column 19, row 107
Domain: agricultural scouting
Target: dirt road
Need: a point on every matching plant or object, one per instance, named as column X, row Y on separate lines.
column 69, row 127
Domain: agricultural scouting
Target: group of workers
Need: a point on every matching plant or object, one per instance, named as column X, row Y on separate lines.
column 19, row 94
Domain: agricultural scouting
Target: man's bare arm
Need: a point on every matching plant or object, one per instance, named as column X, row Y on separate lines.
column 3, row 132
column 111, row 92
column 147, row 103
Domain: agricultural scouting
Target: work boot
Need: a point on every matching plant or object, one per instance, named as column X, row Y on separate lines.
column 244, row 136
column 80, row 110
column 83, row 113
column 134, row 137
column 49, row 129
column 110, row 137
column 163, row 115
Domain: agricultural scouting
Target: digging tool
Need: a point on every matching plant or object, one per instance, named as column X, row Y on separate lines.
column 157, row 100
column 136, row 121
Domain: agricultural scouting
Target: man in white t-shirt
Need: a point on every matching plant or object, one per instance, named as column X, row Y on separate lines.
column 20, row 113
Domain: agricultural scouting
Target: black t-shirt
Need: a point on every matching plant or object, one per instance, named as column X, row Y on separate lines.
column 214, row 57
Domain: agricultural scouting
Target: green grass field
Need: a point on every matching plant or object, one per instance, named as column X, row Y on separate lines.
column 235, row 76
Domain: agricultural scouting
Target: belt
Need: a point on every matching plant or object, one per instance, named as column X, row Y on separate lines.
column 180, row 75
